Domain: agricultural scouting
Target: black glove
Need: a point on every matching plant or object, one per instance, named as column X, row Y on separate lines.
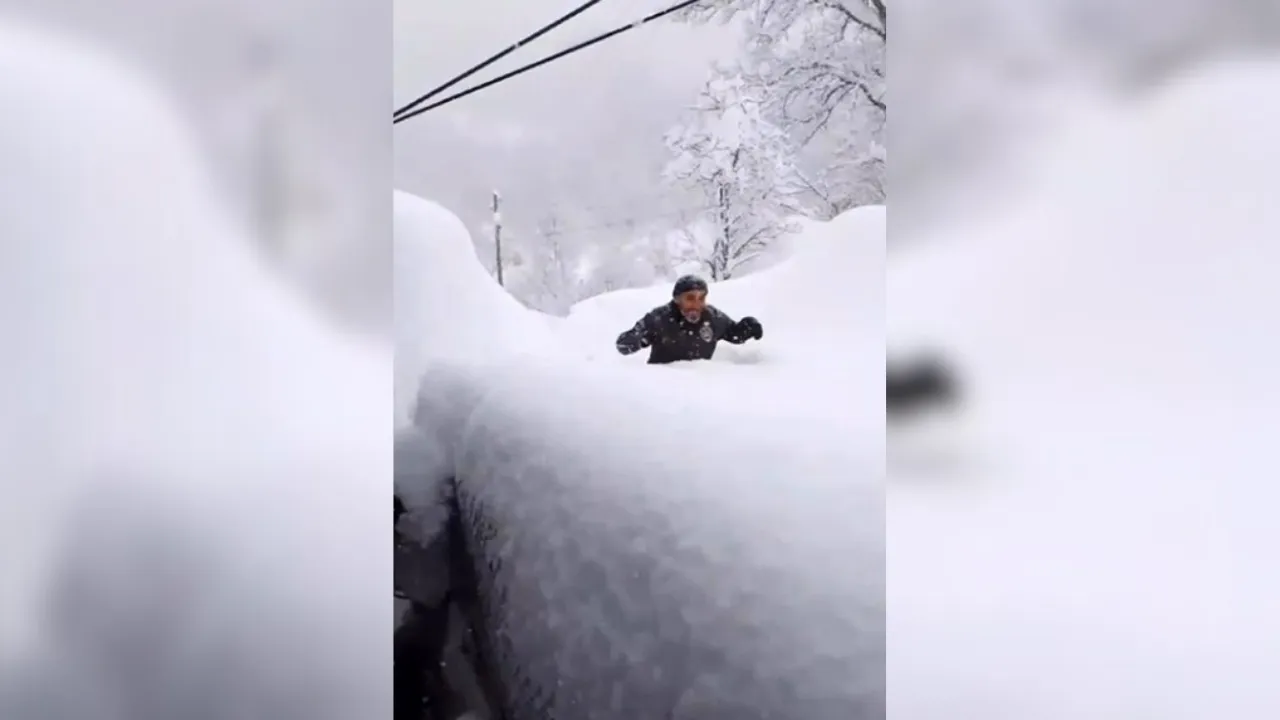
column 751, row 327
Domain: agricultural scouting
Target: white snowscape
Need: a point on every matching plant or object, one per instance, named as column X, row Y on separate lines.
column 1097, row 542
column 177, row 429
column 754, row 483
column 1101, row 542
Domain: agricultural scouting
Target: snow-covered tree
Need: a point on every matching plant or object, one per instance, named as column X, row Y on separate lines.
column 741, row 164
column 539, row 267
column 821, row 66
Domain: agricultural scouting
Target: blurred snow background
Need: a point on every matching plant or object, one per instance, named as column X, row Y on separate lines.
column 172, row 466
column 285, row 100
column 1082, row 212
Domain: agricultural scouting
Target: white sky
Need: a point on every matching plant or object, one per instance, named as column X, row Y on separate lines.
column 585, row 129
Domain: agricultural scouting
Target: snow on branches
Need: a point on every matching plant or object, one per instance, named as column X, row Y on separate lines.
column 820, row 68
column 742, row 165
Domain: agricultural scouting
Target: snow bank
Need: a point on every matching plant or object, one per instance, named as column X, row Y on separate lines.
column 447, row 305
column 449, row 313
column 1101, row 549
column 828, row 298
column 193, row 468
column 822, row 307
column 823, row 351
column 638, row 526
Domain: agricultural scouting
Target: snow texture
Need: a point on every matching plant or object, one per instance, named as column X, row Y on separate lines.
column 1099, row 545
column 700, row 540
column 448, row 310
column 822, row 309
column 447, row 306
column 178, row 432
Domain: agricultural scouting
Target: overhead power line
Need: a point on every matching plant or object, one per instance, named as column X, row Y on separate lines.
column 498, row 56
column 550, row 58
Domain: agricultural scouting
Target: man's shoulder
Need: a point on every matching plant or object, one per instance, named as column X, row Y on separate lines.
column 662, row 311
column 717, row 314
column 655, row 318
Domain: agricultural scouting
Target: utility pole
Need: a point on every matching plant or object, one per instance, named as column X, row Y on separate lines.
column 497, row 235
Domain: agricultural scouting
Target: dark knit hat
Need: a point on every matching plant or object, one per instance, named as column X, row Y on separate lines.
column 688, row 283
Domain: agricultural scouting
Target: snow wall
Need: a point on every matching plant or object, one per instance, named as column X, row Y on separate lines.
column 447, row 305
column 704, row 540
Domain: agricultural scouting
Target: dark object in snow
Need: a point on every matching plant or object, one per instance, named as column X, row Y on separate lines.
column 687, row 328
column 438, row 672
column 919, row 385
column 422, row 692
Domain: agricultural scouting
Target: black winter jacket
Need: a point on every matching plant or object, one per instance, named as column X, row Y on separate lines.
column 672, row 338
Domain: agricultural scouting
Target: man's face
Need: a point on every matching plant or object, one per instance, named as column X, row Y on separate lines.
column 692, row 304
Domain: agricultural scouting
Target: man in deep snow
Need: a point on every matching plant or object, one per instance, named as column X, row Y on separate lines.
column 687, row 328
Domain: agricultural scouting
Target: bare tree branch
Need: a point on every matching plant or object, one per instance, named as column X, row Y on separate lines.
column 876, row 29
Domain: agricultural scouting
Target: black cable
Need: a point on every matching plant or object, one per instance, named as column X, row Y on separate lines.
column 515, row 46
column 550, row 58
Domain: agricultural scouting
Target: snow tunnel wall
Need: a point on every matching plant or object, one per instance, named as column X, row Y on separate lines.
column 630, row 566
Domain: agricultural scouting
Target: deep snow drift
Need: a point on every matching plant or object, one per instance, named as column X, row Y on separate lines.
column 816, row 305
column 1103, row 547
column 823, row 312
column 821, row 362
column 446, row 304
column 733, row 507
column 186, row 454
